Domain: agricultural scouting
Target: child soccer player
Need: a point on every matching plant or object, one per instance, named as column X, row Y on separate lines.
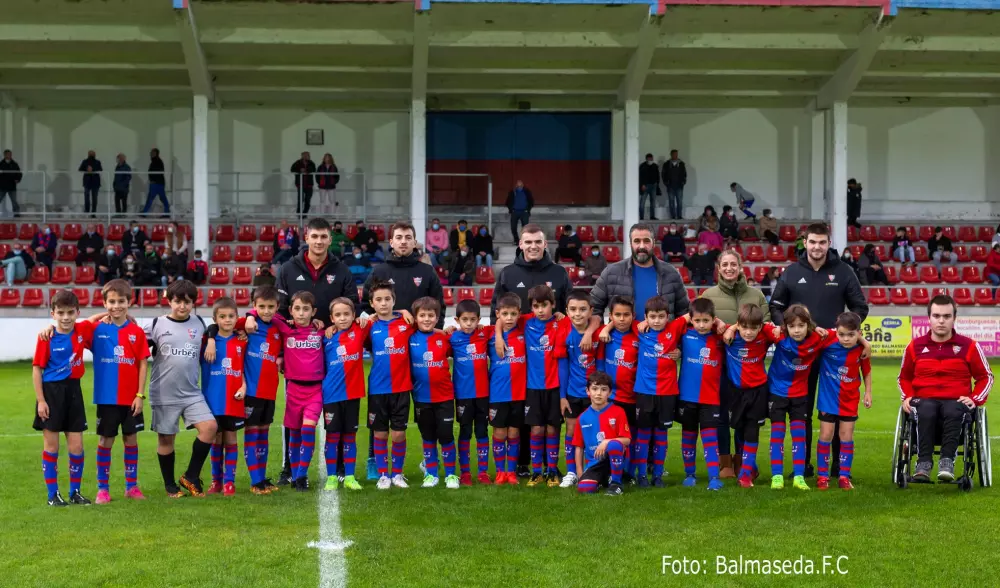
column 471, row 377
column 343, row 389
column 601, row 437
column 573, row 377
column 389, row 384
column 120, row 352
column 748, row 342
column 619, row 358
column 174, row 392
column 508, row 380
column 56, row 372
column 224, row 385
column 842, row 367
column 433, row 392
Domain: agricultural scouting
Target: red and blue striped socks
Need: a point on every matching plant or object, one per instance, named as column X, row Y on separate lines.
column 483, row 454
column 616, row 455
column 464, row 460
column 777, row 449
column 103, row 467
column 659, row 452
column 537, row 452
column 586, row 486
column 216, row 457
column 552, row 452
column 131, row 466
column 823, row 458
column 710, row 446
column 430, row 457
column 846, row 458
column 231, row 451
column 500, row 454
column 513, row 451
column 330, row 453
column 294, row 450
column 689, row 442
column 570, row 453
column 350, row 453
column 798, row 448
column 381, row 456
column 251, row 455
column 398, row 457
column 448, row 456
column 50, row 462
column 306, row 451
column 75, row 472
column 749, row 460
column 641, row 450
column 262, row 450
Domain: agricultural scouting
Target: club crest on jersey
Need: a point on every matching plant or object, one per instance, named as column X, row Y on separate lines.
column 612, row 422
column 192, row 333
column 619, row 354
column 391, row 281
column 470, row 348
column 264, row 347
column 956, row 349
column 831, row 276
column 543, row 340
column 658, row 347
column 131, row 338
column 744, row 352
column 583, row 359
column 417, row 281
column 227, row 362
column 705, row 353
column 438, row 342
column 239, row 351
column 119, row 351
column 402, row 328
column 549, row 284
column 351, row 335
column 79, row 339
column 390, row 342
column 428, row 355
column 493, row 413
column 842, row 370
column 341, row 350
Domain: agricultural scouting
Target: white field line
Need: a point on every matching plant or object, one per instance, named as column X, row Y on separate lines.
column 331, row 544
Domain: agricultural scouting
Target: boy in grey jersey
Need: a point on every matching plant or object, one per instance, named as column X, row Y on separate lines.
column 174, row 393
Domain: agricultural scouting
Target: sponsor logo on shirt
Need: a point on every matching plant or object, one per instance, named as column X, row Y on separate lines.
column 310, row 342
column 802, row 281
column 188, row 350
column 119, row 357
column 301, row 278
column 520, row 285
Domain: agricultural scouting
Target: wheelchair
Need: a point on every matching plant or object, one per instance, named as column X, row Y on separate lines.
column 973, row 448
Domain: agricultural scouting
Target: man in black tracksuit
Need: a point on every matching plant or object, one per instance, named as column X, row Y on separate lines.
column 825, row 285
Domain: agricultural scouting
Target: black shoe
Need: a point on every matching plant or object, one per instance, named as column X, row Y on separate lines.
column 657, row 482
column 810, row 472
column 77, row 498
column 650, row 218
column 643, row 482
column 269, row 485
column 627, row 479
column 57, row 500
column 285, row 478
column 614, row 489
column 301, row 485
column 523, row 472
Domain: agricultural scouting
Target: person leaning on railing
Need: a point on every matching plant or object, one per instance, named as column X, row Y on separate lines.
column 10, row 177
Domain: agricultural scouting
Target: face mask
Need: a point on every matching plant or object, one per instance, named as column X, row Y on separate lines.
column 17, row 251
column 464, row 253
column 572, row 233
column 47, row 230
column 482, row 232
column 672, row 230
column 170, row 229
column 197, row 259
column 112, row 252
column 135, row 230
column 165, row 256
column 595, row 252
column 357, row 256
column 461, row 227
column 435, row 226
column 129, row 261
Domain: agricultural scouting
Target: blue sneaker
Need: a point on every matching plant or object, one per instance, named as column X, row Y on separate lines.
column 372, row 473
column 642, row 482
column 690, row 481
column 715, row 484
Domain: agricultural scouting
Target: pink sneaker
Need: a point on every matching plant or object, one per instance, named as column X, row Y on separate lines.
column 103, row 497
column 134, row 493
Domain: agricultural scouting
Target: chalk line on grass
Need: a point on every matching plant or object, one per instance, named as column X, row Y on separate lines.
column 331, row 545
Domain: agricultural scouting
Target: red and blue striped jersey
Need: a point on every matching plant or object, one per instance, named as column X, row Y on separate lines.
column 117, row 353
column 222, row 378
column 789, row 373
column 261, row 363
column 595, row 426
column 579, row 364
column 429, row 354
column 619, row 358
column 657, row 373
column 471, row 368
column 545, row 341
column 389, row 342
column 840, row 379
column 345, row 368
column 508, row 374
column 745, row 359
column 701, row 366
column 61, row 357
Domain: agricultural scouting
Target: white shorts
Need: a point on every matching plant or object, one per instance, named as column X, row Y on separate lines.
column 166, row 417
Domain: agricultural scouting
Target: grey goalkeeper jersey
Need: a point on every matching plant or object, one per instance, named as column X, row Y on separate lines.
column 176, row 360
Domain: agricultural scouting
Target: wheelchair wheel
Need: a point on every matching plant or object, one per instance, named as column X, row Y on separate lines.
column 965, row 483
column 896, row 448
column 983, row 450
column 902, row 450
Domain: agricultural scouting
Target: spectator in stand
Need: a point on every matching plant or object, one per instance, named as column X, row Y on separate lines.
column 437, row 243
column 460, row 237
column 151, row 270
column 902, row 248
column 675, row 176
column 519, row 205
column 853, row 202
column 338, row 239
column 327, row 178
column 134, row 241
column 286, row 243
column 130, row 269
column 711, row 236
column 263, row 277
column 482, row 247
column 649, row 182
column 996, row 236
column 359, row 264
column 594, row 265
column 44, row 245
column 157, row 183
column 767, row 284
column 992, row 270
column 570, row 244
column 16, row 264
column 769, row 227
column 173, row 266
column 197, row 269
column 176, row 240
column 744, row 200
column 367, row 240
column 872, row 272
column 706, row 217
column 109, row 266
column 89, row 247
column 121, row 184
column 91, row 168
column 10, row 177
column 728, row 225
column 800, row 243
column 848, row 258
column 673, row 244
column 702, row 266
column 303, row 169
column 940, row 247
column 462, row 268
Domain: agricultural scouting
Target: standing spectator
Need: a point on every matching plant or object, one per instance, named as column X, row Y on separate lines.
column 940, row 247
column 89, row 247
column 197, row 269
column 121, row 184
column 44, row 245
column 767, row 284
column 16, row 264
column 711, row 236
column 367, row 240
column 151, row 268
column 744, row 200
column 728, row 225
column 134, row 241
column 459, row 237
column 649, row 181
column 519, row 205
column 702, row 265
column 808, row 282
column 853, row 202
column 176, row 240
column 327, row 178
column 872, row 272
column 303, row 169
column 673, row 244
column 286, row 243
column 10, row 177
column 359, row 264
column 157, row 183
column 437, row 244
column 482, row 246
column 707, row 216
column 569, row 245
column 461, row 269
column 338, row 239
column 992, row 270
column 109, row 265
column 594, row 265
column 675, row 176
column 769, row 227
column 173, row 266
column 902, row 248
column 91, row 168
column 130, row 269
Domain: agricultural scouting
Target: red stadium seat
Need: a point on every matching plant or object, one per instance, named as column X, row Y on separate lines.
column 984, row 297
column 265, row 253
column 899, row 297
column 28, row 232
column 685, row 274
column 586, row 233
column 442, row 274
column 985, row 234
column 72, row 232
column 350, row 230
column 853, row 234
column 379, row 232
column 85, row 274
column 759, row 273
column 967, row 234
column 971, row 275
column 920, row 296
column 244, row 253
column 83, row 295
column 159, row 233
column 755, row 254
column 612, row 253
column 242, row 276
column 657, row 252
column 869, row 234
column 67, row 253
column 33, row 297
column 950, row 233
column 911, row 232
column 62, row 274
column 749, row 233
column 909, row 275
column 214, row 294
column 929, row 275
column 692, row 293
column 248, row 233
column 620, row 234
column 886, row 233
column 978, row 253
column 962, row 253
column 881, row 253
column 116, row 232
column 963, row 297
column 222, row 254
column 10, row 297
column 4, row 250
column 920, row 253
column 466, row 294
column 776, row 254
column 606, row 233
column 485, row 296
column 150, row 297
column 39, row 274
column 8, row 231
column 201, row 297
column 877, row 296
column 225, row 233
column 219, row 275
column 484, row 275
column 241, row 296
column 950, row 275
column 925, row 233
column 787, row 233
column 267, row 233
column 449, row 297
column 97, row 299
column 856, row 251
column 890, row 274
column 939, row 292
column 662, row 231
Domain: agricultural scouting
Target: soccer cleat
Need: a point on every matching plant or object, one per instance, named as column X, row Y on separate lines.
column 384, row 483
column 79, row 499
column 423, row 468
column 103, row 497
column 269, row 485
column 229, row 489
column 614, row 489
column 657, row 482
column 946, row 470
column 627, row 480
column 332, row 483
column 173, row 491
column 466, row 480
column 452, row 482
column 715, row 484
column 340, row 477
column 351, row 483
column 57, row 500
column 484, row 479
column 845, row 483
column 642, row 482
column 192, row 486
column 568, row 481
column 745, row 482
column 799, row 483
column 259, row 489
column 822, row 483
column 777, row 482
column 215, row 488
column 523, row 471
column 301, row 485
column 429, row 481
column 399, row 481
column 923, row 473
column 134, row 493
column 553, row 479
column 512, row 479
column 535, row 480
column 285, row 479
column 500, row 480
column 372, row 473
column 689, row 482
column 810, row 472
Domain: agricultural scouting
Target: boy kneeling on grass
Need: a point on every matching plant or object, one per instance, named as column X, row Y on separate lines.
column 601, row 438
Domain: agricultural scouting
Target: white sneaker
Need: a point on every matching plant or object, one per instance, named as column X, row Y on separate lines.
column 399, row 481
column 452, row 482
column 429, row 482
column 384, row 483
column 423, row 467
column 568, row 481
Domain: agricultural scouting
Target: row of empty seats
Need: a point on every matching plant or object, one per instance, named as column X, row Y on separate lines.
column 922, row 296
column 886, row 233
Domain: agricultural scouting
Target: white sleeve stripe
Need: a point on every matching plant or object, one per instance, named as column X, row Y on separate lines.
column 899, row 378
column 981, row 397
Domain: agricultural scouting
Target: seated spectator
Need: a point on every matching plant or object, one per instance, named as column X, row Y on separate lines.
column 286, row 243
column 89, row 247
column 482, row 247
column 579, row 277
column 769, row 227
column 44, row 246
column 902, row 248
column 262, row 277
column 134, row 241
column 151, row 268
column 708, row 215
column 16, row 264
column 109, row 265
column 197, row 269
column 437, row 243
column 338, row 239
column 173, row 267
column 366, row 240
column 702, row 266
column 594, row 265
column 359, row 265
column 728, row 225
column 176, row 241
column 940, row 247
column 673, row 244
column 462, row 268
column 992, row 270
column 569, row 245
column 460, row 237
column 848, row 258
column 872, row 272
column 770, row 280
column 711, row 236
column 800, row 243
column 996, row 236
column 130, row 269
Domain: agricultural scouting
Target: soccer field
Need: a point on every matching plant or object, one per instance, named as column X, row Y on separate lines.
column 484, row 536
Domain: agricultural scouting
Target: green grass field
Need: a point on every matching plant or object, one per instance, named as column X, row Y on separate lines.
column 485, row 536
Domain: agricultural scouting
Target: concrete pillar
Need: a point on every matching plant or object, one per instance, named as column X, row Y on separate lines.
column 199, row 172
column 813, row 207
column 838, row 163
column 617, row 164
column 212, row 163
column 418, row 167
column 631, row 171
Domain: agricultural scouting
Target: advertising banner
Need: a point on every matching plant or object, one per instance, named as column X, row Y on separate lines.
column 985, row 331
column 888, row 335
